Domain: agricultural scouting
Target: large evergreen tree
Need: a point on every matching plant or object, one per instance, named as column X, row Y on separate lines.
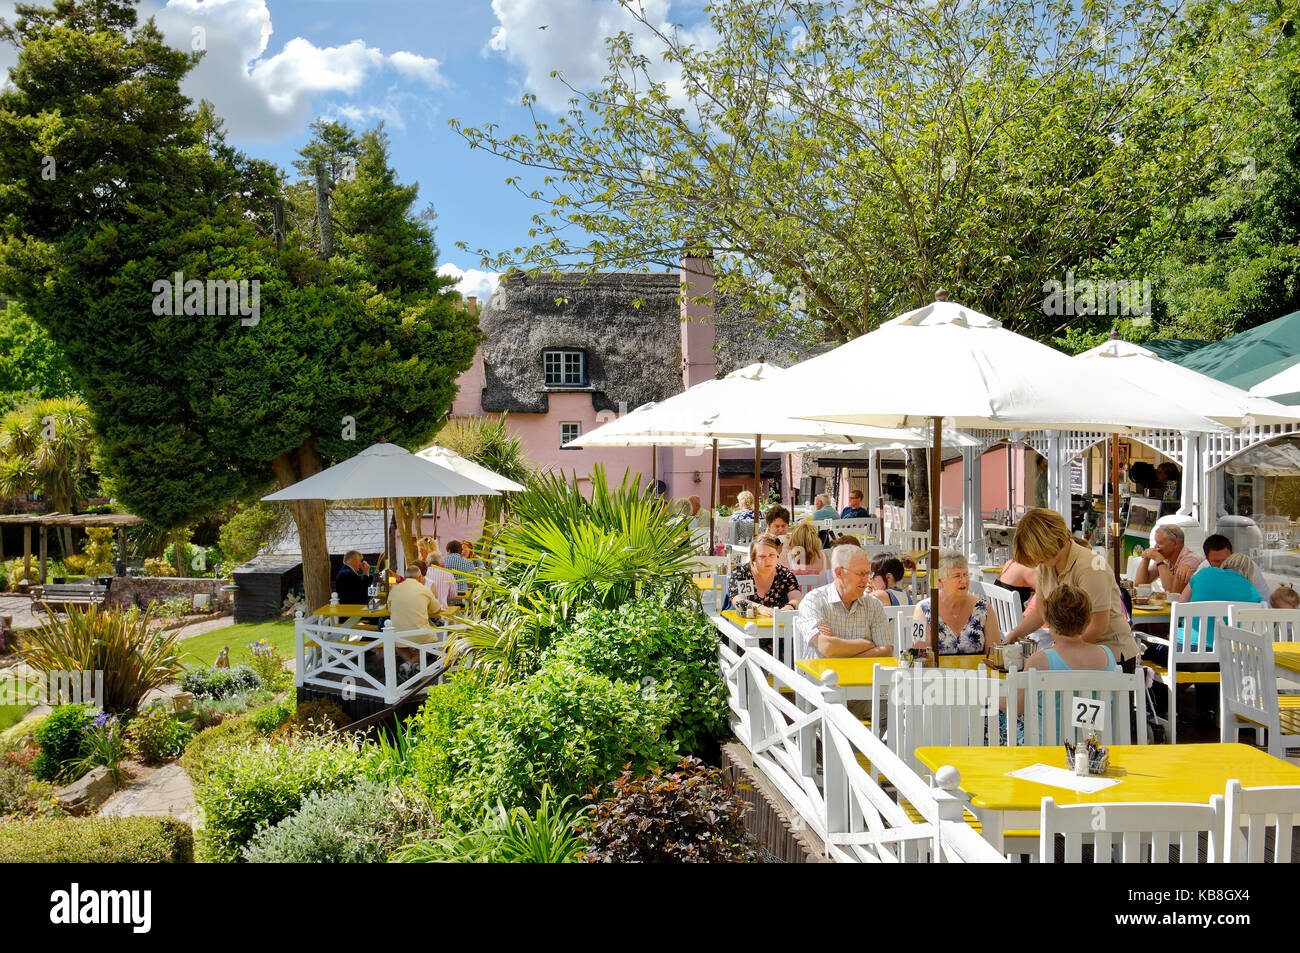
column 195, row 409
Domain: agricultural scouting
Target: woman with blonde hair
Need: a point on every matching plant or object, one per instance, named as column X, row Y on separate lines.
column 1044, row 543
column 805, row 551
column 744, row 512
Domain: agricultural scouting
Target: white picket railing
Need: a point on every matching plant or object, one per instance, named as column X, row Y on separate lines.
column 334, row 658
column 780, row 716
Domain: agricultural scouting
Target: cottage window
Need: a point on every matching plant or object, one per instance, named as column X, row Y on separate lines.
column 565, row 368
column 569, row 431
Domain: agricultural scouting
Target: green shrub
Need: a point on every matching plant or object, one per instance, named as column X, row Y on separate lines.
column 691, row 815
column 269, row 666
column 264, row 783
column 209, row 746
column 156, row 735
column 361, row 824
column 102, row 745
column 267, row 719
column 672, row 652
column 13, row 788
column 544, row 836
column 247, row 531
column 134, row 659
column 563, row 726
column 97, row 840
column 448, row 708
column 62, row 740
column 174, row 608
column 213, row 682
column 314, row 717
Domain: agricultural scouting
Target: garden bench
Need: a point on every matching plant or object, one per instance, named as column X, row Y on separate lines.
column 58, row 597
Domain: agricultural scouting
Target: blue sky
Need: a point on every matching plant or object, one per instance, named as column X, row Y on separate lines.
column 273, row 66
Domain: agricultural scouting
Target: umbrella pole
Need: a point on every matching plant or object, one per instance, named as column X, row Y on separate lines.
column 654, row 463
column 388, row 564
column 1114, row 501
column 758, row 485
column 936, row 465
column 789, row 478
column 713, row 497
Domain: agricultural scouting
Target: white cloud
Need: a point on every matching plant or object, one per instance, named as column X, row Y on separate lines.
column 472, row 282
column 419, row 67
column 265, row 97
column 574, row 42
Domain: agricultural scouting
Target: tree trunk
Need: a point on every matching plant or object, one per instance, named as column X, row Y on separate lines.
column 323, row 214
column 309, row 517
column 918, row 483
column 408, row 516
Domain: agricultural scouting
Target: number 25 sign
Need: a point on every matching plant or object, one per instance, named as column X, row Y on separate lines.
column 1088, row 713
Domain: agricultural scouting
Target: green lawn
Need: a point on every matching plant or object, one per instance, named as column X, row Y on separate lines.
column 12, row 714
column 204, row 649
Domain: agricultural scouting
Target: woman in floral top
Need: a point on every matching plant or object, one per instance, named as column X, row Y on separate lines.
column 773, row 586
column 744, row 512
column 966, row 627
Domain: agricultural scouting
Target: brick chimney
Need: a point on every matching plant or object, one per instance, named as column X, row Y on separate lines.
column 696, row 274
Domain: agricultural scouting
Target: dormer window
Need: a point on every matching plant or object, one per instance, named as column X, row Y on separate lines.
column 565, row 368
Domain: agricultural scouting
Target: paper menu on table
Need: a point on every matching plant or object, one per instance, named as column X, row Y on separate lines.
column 1061, row 778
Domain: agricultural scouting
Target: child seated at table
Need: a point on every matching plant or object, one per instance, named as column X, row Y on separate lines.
column 1068, row 610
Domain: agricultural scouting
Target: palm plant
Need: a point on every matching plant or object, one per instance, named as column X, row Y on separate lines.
column 491, row 444
column 46, row 447
column 559, row 552
column 118, row 643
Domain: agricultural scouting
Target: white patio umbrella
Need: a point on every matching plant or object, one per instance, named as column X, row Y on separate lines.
column 1283, row 382
column 952, row 366
column 1197, row 392
column 454, row 462
column 381, row 471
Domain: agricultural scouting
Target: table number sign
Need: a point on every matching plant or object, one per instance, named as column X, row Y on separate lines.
column 744, row 589
column 1088, row 713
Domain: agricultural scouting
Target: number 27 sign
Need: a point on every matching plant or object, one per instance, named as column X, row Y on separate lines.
column 1088, row 713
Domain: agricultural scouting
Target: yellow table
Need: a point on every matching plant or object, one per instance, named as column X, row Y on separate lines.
column 762, row 621
column 349, row 616
column 856, row 674
column 1188, row 774
column 1287, row 655
column 703, row 583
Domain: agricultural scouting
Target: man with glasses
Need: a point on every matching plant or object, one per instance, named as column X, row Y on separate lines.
column 840, row 620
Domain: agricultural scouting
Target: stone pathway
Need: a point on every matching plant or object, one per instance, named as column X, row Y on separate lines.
column 166, row 792
column 20, row 607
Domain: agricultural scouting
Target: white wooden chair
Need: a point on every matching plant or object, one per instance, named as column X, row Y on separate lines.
column 784, row 637
column 808, row 581
column 718, row 593
column 940, row 706
column 1188, row 624
column 892, row 614
column 1248, row 690
column 1006, row 605
column 1131, row 833
column 1048, row 696
column 1248, row 815
column 1280, row 625
column 911, row 541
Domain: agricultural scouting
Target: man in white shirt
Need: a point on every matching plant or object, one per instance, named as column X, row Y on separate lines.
column 840, row 620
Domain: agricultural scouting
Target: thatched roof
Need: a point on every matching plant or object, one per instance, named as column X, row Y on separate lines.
column 633, row 353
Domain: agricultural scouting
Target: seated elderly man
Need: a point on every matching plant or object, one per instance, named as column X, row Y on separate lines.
column 1168, row 560
column 841, row 619
column 411, row 606
column 824, row 509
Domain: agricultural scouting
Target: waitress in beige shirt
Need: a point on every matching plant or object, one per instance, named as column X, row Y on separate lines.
column 1043, row 541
